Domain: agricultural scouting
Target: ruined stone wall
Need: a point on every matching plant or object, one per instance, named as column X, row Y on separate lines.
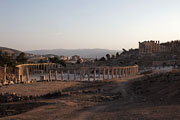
column 149, row 47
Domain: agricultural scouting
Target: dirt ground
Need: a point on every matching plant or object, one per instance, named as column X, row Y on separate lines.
column 36, row 89
column 110, row 100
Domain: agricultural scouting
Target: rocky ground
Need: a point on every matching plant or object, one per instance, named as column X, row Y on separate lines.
column 153, row 97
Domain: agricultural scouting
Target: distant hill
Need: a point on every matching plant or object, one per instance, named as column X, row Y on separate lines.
column 85, row 53
column 10, row 50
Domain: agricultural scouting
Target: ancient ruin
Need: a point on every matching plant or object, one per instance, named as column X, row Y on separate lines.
column 81, row 74
column 151, row 47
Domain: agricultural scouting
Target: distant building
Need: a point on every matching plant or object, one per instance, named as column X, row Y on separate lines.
column 81, row 60
column 37, row 59
column 174, row 46
column 64, row 58
column 75, row 58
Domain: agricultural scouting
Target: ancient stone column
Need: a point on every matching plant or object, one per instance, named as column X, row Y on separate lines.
column 99, row 74
column 62, row 75
column 48, row 67
column 94, row 74
column 131, row 71
column 40, row 69
column 15, row 75
column 134, row 71
column 50, row 77
column 84, row 74
column 119, row 73
column 68, row 72
column 88, row 75
column 137, row 68
column 116, row 73
column 22, row 74
column 32, row 70
column 5, row 70
column 29, row 68
column 126, row 72
column 112, row 73
column 123, row 71
column 27, row 74
column 80, row 75
column 18, row 72
column 44, row 69
column 104, row 73
column 74, row 74
column 56, row 73
column 108, row 74
column 35, row 71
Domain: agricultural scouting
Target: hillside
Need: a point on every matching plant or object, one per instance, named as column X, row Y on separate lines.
column 10, row 50
column 85, row 53
column 162, row 88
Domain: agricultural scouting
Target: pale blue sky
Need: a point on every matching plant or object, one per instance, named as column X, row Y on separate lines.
column 71, row 24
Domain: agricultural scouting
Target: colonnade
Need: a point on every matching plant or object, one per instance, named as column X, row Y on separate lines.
column 56, row 72
column 30, row 69
column 149, row 47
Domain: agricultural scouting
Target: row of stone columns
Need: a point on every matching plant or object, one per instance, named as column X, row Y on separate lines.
column 104, row 73
column 116, row 73
column 4, row 77
column 39, row 68
column 27, row 69
column 149, row 47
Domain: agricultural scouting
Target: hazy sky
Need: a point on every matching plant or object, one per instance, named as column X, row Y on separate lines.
column 71, row 24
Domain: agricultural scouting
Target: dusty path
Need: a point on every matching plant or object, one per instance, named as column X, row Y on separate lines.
column 120, row 88
column 96, row 101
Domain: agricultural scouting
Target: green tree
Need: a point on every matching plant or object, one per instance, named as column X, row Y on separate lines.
column 113, row 56
column 21, row 59
column 56, row 60
column 78, row 62
column 117, row 54
column 102, row 59
column 5, row 58
column 108, row 56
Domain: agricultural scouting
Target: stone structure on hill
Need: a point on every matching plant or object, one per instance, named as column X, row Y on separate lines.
column 150, row 47
column 174, row 46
